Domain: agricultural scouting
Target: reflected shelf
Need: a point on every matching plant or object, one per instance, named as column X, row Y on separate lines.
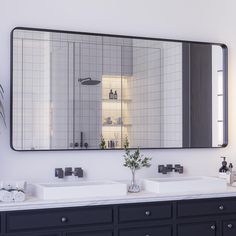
column 116, row 125
column 116, row 100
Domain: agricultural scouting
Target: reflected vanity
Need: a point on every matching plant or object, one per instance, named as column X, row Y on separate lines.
column 76, row 91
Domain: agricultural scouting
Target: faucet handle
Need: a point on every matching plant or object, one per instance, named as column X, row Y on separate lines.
column 68, row 171
column 179, row 169
column 162, row 169
column 59, row 173
column 169, row 167
column 78, row 171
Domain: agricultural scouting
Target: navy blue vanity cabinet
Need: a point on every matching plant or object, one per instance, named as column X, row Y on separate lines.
column 34, row 234
column 58, row 219
column 145, row 212
column 145, row 219
column 212, row 214
column 203, row 207
column 197, row 229
column 95, row 233
column 229, row 227
column 205, row 217
column 147, row 231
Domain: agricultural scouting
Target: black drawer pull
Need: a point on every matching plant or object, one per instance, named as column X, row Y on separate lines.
column 213, row 227
column 221, row 208
column 64, row 219
column 147, row 213
column 230, row 226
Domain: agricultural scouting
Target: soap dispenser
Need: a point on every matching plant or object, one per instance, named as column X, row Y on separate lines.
column 224, row 168
column 224, row 172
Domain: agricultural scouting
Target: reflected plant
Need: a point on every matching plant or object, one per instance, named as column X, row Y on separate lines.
column 134, row 161
column 103, row 143
column 2, row 112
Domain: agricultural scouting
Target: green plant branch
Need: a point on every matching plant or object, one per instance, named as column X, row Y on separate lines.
column 2, row 112
column 3, row 118
column 136, row 160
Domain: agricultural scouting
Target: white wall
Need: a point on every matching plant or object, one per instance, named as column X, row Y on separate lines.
column 204, row 20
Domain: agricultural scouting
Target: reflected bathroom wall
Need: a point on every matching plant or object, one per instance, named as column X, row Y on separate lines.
column 81, row 91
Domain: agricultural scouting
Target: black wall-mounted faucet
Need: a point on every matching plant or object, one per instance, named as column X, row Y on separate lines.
column 169, row 168
column 60, row 173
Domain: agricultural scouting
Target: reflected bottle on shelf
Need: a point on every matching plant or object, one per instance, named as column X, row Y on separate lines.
column 111, row 95
column 111, row 144
column 115, row 95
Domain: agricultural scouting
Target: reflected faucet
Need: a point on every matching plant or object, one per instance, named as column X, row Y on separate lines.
column 60, row 173
column 88, row 81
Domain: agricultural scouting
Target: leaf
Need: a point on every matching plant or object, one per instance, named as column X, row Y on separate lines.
column 1, row 91
column 2, row 109
column 3, row 118
column 2, row 112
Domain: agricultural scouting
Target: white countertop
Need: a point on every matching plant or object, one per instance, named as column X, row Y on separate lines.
column 35, row 203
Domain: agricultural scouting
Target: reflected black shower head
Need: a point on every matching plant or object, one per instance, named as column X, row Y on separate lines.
column 88, row 81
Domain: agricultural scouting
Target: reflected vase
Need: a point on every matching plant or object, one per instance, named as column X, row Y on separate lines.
column 133, row 187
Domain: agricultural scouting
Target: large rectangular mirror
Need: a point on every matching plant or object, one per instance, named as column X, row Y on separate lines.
column 76, row 91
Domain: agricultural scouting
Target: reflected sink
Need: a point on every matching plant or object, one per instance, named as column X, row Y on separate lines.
column 74, row 190
column 184, row 184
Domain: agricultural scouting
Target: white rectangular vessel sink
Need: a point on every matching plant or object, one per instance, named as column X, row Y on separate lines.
column 184, row 184
column 74, row 190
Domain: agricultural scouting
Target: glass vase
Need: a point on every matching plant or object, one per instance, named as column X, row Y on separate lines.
column 134, row 187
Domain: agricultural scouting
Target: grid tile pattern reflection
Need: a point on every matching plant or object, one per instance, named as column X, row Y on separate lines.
column 146, row 97
column 31, row 89
column 53, row 110
column 171, row 88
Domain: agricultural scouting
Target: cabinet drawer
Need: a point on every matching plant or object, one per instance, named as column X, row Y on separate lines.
column 197, row 229
column 206, row 207
column 147, row 231
column 36, row 234
column 97, row 233
column 32, row 220
column 229, row 228
column 145, row 212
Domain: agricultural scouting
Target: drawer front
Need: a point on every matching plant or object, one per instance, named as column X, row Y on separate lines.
column 145, row 212
column 147, row 231
column 97, row 233
column 36, row 234
column 197, row 229
column 33, row 220
column 206, row 207
column 229, row 228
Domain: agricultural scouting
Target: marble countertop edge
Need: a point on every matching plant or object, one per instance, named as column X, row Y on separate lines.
column 33, row 203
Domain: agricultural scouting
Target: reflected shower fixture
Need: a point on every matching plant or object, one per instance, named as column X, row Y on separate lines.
column 88, row 81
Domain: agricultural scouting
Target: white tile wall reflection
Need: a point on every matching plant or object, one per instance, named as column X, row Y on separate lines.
column 172, row 95
column 32, row 89
column 52, row 109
